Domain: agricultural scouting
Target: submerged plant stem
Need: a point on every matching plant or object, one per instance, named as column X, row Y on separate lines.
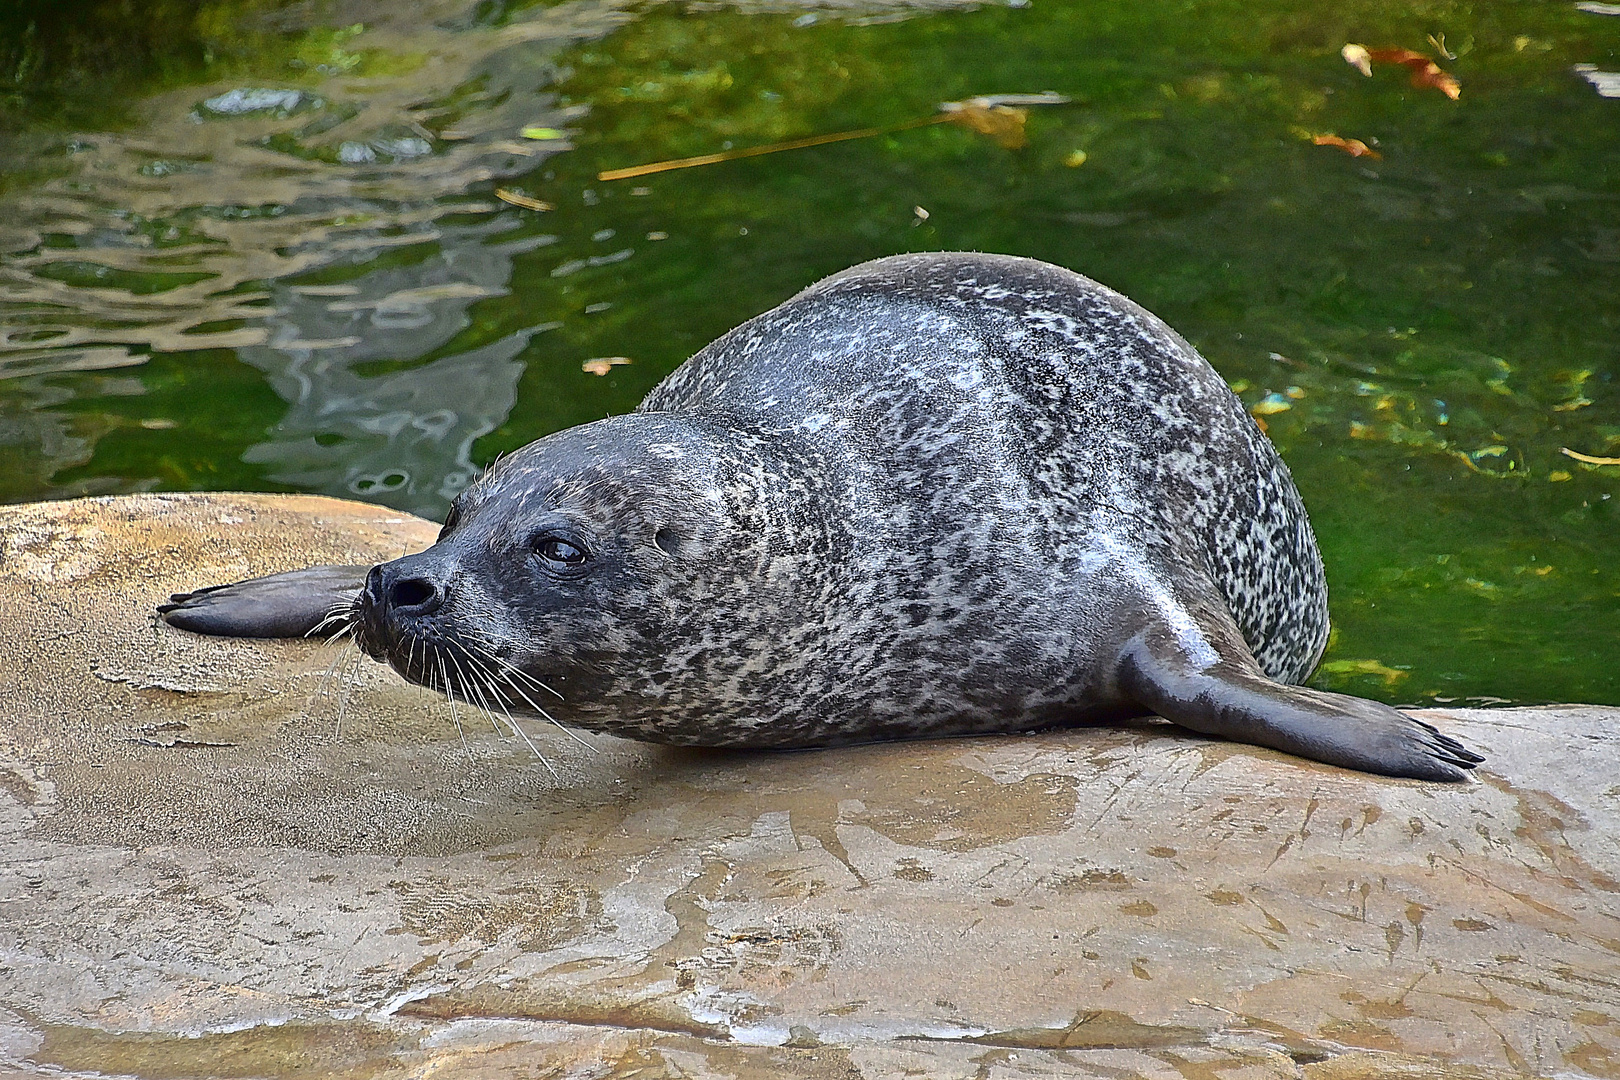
column 768, row 148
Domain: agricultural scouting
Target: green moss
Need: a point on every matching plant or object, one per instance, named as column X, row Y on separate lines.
column 1427, row 330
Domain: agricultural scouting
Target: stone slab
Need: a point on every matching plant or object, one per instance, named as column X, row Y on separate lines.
column 245, row 858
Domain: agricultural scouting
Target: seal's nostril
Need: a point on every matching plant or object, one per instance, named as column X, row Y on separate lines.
column 374, row 584
column 413, row 593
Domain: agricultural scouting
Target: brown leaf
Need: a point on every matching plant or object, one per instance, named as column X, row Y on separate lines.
column 1429, row 74
column 1353, row 147
column 1397, row 56
column 1003, row 123
column 603, row 364
column 995, row 115
column 1425, row 72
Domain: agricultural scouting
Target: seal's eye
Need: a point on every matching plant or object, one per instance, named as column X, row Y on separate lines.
column 560, row 553
column 451, row 520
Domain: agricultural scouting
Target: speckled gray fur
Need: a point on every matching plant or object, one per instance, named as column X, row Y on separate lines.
column 931, row 495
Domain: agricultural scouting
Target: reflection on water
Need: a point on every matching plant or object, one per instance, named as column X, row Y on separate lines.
column 184, row 236
column 291, row 270
column 405, row 437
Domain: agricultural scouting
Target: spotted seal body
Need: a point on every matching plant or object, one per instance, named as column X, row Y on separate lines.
column 931, row 495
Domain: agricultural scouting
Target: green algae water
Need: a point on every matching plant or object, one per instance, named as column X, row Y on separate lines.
column 272, row 246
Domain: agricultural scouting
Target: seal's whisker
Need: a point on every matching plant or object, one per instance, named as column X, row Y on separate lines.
column 512, row 720
column 485, row 656
column 450, row 695
column 564, row 728
column 324, row 684
column 524, row 735
column 520, row 673
column 491, row 654
column 473, row 686
column 338, row 612
column 351, row 671
column 345, row 658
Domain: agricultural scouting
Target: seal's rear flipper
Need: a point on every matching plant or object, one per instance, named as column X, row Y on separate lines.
column 298, row 603
column 1230, row 697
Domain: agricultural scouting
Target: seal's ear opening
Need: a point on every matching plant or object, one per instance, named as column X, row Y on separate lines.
column 298, row 603
column 667, row 541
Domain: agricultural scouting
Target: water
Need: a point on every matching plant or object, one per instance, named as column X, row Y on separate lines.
column 261, row 249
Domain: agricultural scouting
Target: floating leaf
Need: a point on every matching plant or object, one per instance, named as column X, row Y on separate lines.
column 1425, row 72
column 1390, row 675
column 998, row 115
column 603, row 364
column 1397, row 56
column 545, row 133
column 990, row 101
column 527, row 202
column 1075, row 158
column 1431, row 75
column 1353, row 147
column 1477, row 460
column 1270, row 405
column 1588, row 458
column 1003, row 123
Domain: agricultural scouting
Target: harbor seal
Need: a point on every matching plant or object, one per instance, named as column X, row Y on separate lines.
column 932, row 495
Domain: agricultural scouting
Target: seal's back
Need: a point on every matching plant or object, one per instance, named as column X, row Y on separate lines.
column 1067, row 426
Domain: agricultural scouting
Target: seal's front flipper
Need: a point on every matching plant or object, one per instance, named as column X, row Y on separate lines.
column 298, row 603
column 1204, row 685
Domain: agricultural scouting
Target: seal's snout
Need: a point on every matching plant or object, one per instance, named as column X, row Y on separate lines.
column 408, row 596
column 399, row 603
column 405, row 589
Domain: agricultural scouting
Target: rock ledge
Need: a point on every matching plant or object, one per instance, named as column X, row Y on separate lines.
column 269, row 859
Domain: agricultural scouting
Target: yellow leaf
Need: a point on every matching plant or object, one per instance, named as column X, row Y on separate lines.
column 603, row 364
column 527, row 202
column 1390, row 675
column 1588, row 458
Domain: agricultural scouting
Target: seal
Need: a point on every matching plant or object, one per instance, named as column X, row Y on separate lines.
column 932, row 495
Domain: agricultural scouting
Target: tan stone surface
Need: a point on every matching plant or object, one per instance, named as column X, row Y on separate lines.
column 217, row 859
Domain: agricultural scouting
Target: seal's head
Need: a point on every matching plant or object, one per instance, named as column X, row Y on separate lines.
column 563, row 573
